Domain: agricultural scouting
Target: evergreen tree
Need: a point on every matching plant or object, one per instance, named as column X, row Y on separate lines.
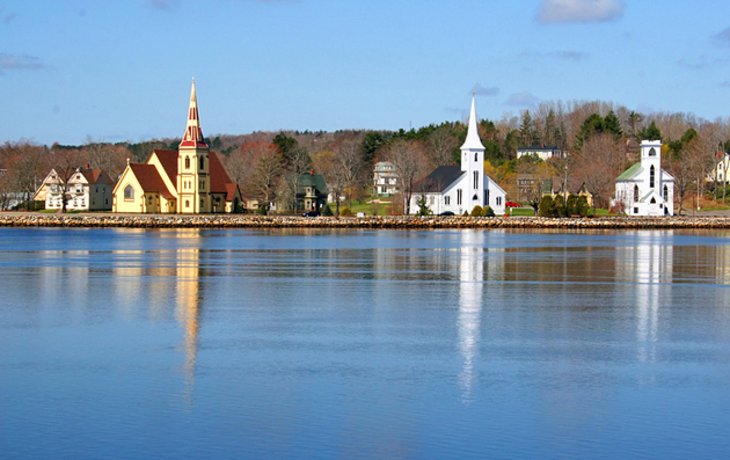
column 651, row 132
column 612, row 125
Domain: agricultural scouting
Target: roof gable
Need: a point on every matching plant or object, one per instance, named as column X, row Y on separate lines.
column 168, row 160
column 149, row 179
column 219, row 178
column 439, row 180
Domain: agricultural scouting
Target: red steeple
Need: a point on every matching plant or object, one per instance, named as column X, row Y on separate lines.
column 193, row 136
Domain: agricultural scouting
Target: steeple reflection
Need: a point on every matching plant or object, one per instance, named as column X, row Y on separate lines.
column 471, row 272
column 187, row 299
column 649, row 264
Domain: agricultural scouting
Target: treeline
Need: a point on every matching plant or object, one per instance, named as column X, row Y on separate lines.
column 601, row 139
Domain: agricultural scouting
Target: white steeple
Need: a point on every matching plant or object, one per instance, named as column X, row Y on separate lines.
column 472, row 141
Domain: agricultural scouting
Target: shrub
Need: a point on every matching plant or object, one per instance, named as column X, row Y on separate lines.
column 326, row 210
column 581, row 206
column 570, row 208
column 345, row 212
column 477, row 211
column 546, row 207
column 488, row 211
column 262, row 209
column 559, row 207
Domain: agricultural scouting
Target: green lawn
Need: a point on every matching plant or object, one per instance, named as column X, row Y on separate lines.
column 523, row 211
column 370, row 209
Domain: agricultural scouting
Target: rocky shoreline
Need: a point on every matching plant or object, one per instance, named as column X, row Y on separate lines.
column 390, row 222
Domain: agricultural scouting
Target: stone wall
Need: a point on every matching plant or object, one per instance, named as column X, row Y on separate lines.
column 390, row 222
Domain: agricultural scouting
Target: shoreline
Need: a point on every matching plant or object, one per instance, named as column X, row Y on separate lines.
column 100, row 220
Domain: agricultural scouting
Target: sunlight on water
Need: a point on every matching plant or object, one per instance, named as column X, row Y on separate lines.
column 364, row 344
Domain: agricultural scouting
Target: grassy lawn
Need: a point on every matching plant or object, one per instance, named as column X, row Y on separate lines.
column 370, row 209
column 523, row 211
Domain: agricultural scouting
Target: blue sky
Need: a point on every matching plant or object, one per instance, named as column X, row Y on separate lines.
column 114, row 70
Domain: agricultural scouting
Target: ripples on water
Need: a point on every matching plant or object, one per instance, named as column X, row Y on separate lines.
column 364, row 344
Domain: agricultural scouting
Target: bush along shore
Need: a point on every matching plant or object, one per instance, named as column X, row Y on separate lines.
column 388, row 222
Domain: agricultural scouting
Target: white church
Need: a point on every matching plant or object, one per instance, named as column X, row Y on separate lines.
column 458, row 189
column 645, row 189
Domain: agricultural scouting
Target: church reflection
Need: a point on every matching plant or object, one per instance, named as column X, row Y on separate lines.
column 649, row 264
column 187, row 300
column 474, row 257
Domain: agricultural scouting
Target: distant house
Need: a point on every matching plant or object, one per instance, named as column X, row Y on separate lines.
column 459, row 189
column 188, row 180
column 543, row 153
column 385, row 178
column 311, row 192
column 88, row 189
column 645, row 189
column 721, row 173
column 581, row 192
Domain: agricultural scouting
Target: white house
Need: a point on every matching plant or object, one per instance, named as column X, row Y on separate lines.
column 459, row 189
column 543, row 153
column 385, row 178
column 88, row 189
column 721, row 173
column 645, row 189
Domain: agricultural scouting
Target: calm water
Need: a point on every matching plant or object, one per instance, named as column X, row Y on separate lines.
column 364, row 344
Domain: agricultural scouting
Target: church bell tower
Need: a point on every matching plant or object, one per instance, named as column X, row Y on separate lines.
column 193, row 165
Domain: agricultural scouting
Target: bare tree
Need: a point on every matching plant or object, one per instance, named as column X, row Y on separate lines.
column 410, row 163
column 441, row 144
column 599, row 161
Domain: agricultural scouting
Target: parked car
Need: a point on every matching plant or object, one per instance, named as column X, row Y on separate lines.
column 446, row 214
column 311, row 214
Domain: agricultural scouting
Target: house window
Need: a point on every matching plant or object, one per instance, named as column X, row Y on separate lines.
column 499, row 201
column 651, row 176
column 666, row 193
column 187, row 162
column 636, row 193
column 458, row 196
column 476, row 180
column 128, row 193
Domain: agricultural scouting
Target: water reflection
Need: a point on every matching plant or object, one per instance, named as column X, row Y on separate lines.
column 187, row 300
column 649, row 264
column 471, row 272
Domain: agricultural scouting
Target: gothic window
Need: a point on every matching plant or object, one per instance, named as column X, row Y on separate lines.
column 187, row 162
column 652, row 173
column 636, row 193
column 128, row 192
column 476, row 180
column 476, row 156
column 458, row 196
column 652, row 152
column 666, row 193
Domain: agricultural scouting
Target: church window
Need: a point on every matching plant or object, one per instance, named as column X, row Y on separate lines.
column 447, row 200
column 486, row 196
column 187, row 162
column 653, row 200
column 476, row 180
column 652, row 174
column 499, row 201
column 476, row 156
column 128, row 192
column 666, row 193
column 652, row 152
column 458, row 196
column 636, row 193
column 187, row 203
column 202, row 163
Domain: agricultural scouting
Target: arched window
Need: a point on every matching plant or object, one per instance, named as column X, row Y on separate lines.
column 187, row 162
column 128, row 192
column 476, row 180
column 666, row 194
column 636, row 193
column 652, row 173
column 652, row 152
column 476, row 156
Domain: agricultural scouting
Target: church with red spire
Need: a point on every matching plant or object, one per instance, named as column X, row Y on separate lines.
column 189, row 180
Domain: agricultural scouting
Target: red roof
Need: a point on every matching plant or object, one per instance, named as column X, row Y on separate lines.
column 96, row 176
column 219, row 180
column 168, row 158
column 150, row 179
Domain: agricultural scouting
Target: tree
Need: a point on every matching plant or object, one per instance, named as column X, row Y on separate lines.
column 441, row 144
column 546, row 207
column 597, row 164
column 410, row 163
column 422, row 203
column 651, row 132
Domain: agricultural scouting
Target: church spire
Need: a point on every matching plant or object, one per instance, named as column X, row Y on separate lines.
column 472, row 134
column 193, row 136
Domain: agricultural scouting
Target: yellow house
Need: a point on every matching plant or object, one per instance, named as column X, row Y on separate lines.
column 189, row 180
